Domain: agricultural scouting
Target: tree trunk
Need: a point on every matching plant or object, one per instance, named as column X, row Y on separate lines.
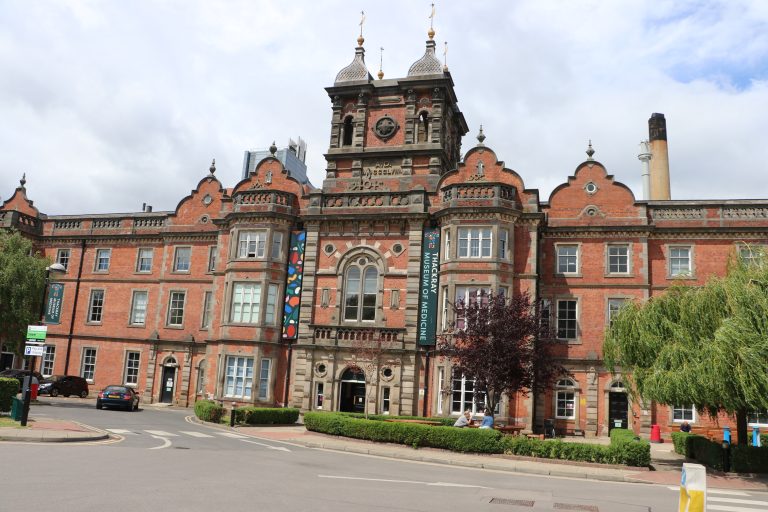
column 741, row 427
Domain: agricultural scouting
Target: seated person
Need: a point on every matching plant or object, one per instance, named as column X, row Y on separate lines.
column 464, row 420
column 487, row 419
column 685, row 427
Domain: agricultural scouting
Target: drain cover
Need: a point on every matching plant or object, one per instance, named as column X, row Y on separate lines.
column 505, row 501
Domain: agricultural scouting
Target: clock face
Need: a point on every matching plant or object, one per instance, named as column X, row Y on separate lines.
column 385, row 127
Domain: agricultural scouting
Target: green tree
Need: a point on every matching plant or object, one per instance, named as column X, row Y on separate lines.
column 706, row 346
column 22, row 277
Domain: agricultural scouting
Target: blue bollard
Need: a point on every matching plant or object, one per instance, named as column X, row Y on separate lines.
column 755, row 436
column 727, row 435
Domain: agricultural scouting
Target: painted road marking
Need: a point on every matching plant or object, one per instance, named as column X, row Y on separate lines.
column 436, row 484
column 281, row 448
column 166, row 443
column 194, row 434
column 736, row 500
column 232, row 435
column 160, row 433
column 714, row 491
column 120, row 431
column 734, row 509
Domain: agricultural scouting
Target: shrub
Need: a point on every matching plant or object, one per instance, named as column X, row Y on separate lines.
column 208, row 410
column 749, row 459
column 763, row 439
column 446, row 422
column 266, row 416
column 680, row 441
column 705, row 451
column 8, row 389
column 627, row 448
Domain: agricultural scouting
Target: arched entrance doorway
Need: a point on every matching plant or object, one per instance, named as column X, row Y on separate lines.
column 352, row 390
column 618, row 406
column 168, row 382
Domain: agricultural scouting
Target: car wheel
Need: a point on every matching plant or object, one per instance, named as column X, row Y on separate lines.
column 54, row 392
column 98, row 405
column 83, row 394
column 66, row 395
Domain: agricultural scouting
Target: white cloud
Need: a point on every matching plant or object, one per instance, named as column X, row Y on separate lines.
column 107, row 105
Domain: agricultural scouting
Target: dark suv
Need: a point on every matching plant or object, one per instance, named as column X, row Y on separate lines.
column 64, row 385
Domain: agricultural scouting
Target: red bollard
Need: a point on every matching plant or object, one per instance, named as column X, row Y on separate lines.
column 655, row 434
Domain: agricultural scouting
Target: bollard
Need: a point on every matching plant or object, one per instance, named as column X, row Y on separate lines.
column 693, row 488
column 755, row 436
column 726, row 456
column 232, row 415
column 727, row 435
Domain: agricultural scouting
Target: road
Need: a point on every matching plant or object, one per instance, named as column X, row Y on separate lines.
column 161, row 461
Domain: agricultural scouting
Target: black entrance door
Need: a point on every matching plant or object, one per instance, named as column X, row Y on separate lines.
column 617, row 410
column 169, row 376
column 352, row 391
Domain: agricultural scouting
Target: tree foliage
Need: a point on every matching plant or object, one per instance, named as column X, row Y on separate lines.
column 706, row 346
column 503, row 345
column 22, row 277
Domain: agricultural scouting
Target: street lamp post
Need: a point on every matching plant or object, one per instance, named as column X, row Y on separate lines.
column 56, row 267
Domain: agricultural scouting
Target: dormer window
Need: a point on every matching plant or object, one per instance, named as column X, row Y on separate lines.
column 346, row 136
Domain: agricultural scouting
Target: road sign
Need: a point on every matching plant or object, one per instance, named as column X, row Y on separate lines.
column 34, row 350
column 37, row 333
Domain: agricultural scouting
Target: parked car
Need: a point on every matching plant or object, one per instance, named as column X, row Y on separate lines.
column 118, row 396
column 64, row 385
column 20, row 374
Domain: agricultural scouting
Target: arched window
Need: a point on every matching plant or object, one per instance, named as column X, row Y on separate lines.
column 423, row 127
column 361, row 285
column 346, row 136
column 353, row 374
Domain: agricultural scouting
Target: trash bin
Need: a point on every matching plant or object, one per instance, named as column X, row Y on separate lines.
column 33, row 389
column 549, row 428
column 17, row 408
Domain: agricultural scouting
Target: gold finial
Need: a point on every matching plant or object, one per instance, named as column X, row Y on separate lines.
column 431, row 32
column 360, row 38
column 445, row 56
column 381, row 63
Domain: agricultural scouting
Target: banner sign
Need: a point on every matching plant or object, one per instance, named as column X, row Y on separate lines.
column 428, row 293
column 293, row 285
column 53, row 304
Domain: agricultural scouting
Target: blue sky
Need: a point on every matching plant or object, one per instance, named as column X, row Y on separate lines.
column 108, row 105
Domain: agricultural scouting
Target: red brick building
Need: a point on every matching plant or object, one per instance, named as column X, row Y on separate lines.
column 274, row 292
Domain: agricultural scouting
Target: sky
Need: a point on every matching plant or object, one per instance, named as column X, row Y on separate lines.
column 106, row 105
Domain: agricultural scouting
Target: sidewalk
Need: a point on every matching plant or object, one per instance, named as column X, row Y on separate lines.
column 52, row 431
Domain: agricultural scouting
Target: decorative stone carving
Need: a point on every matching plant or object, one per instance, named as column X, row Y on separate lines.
column 678, row 213
column 385, row 128
column 745, row 213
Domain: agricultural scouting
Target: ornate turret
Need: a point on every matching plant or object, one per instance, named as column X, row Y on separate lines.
column 356, row 70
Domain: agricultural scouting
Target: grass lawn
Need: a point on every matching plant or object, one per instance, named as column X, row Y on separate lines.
column 6, row 421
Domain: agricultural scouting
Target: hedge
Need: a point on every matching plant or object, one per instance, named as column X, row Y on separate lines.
column 266, row 416
column 624, row 450
column 744, row 459
column 749, row 459
column 208, row 410
column 680, row 441
column 8, row 389
column 444, row 421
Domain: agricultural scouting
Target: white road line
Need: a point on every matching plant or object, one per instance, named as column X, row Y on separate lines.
column 160, row 433
column 736, row 500
column 281, row 448
column 735, row 509
column 436, row 484
column 120, row 431
column 232, row 435
column 194, row 434
column 714, row 491
column 166, row 443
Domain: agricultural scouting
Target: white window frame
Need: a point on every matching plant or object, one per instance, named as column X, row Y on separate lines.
column 173, row 305
column 750, row 253
column 141, row 258
column 93, row 306
column 270, row 306
column 205, row 320
column 440, row 387
column 63, row 256
column 265, row 378
column 102, row 255
column 49, row 358
column 503, row 244
column 558, row 319
column 360, row 293
column 132, row 366
column 565, row 394
column 614, row 305
column 447, row 237
column 182, row 265
column 212, row 251
column 238, row 377
column 758, row 415
column 245, row 306
column 88, row 364
column 682, row 410
column 565, row 261
column 610, row 258
column 475, row 242
column 465, row 392
column 386, row 398
column 671, row 258
column 276, row 251
column 132, row 320
column 252, row 244
column 468, row 295
column 319, row 395
column 445, row 309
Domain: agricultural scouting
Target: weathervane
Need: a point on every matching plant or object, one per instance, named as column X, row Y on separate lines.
column 362, row 20
column 431, row 32
column 381, row 63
